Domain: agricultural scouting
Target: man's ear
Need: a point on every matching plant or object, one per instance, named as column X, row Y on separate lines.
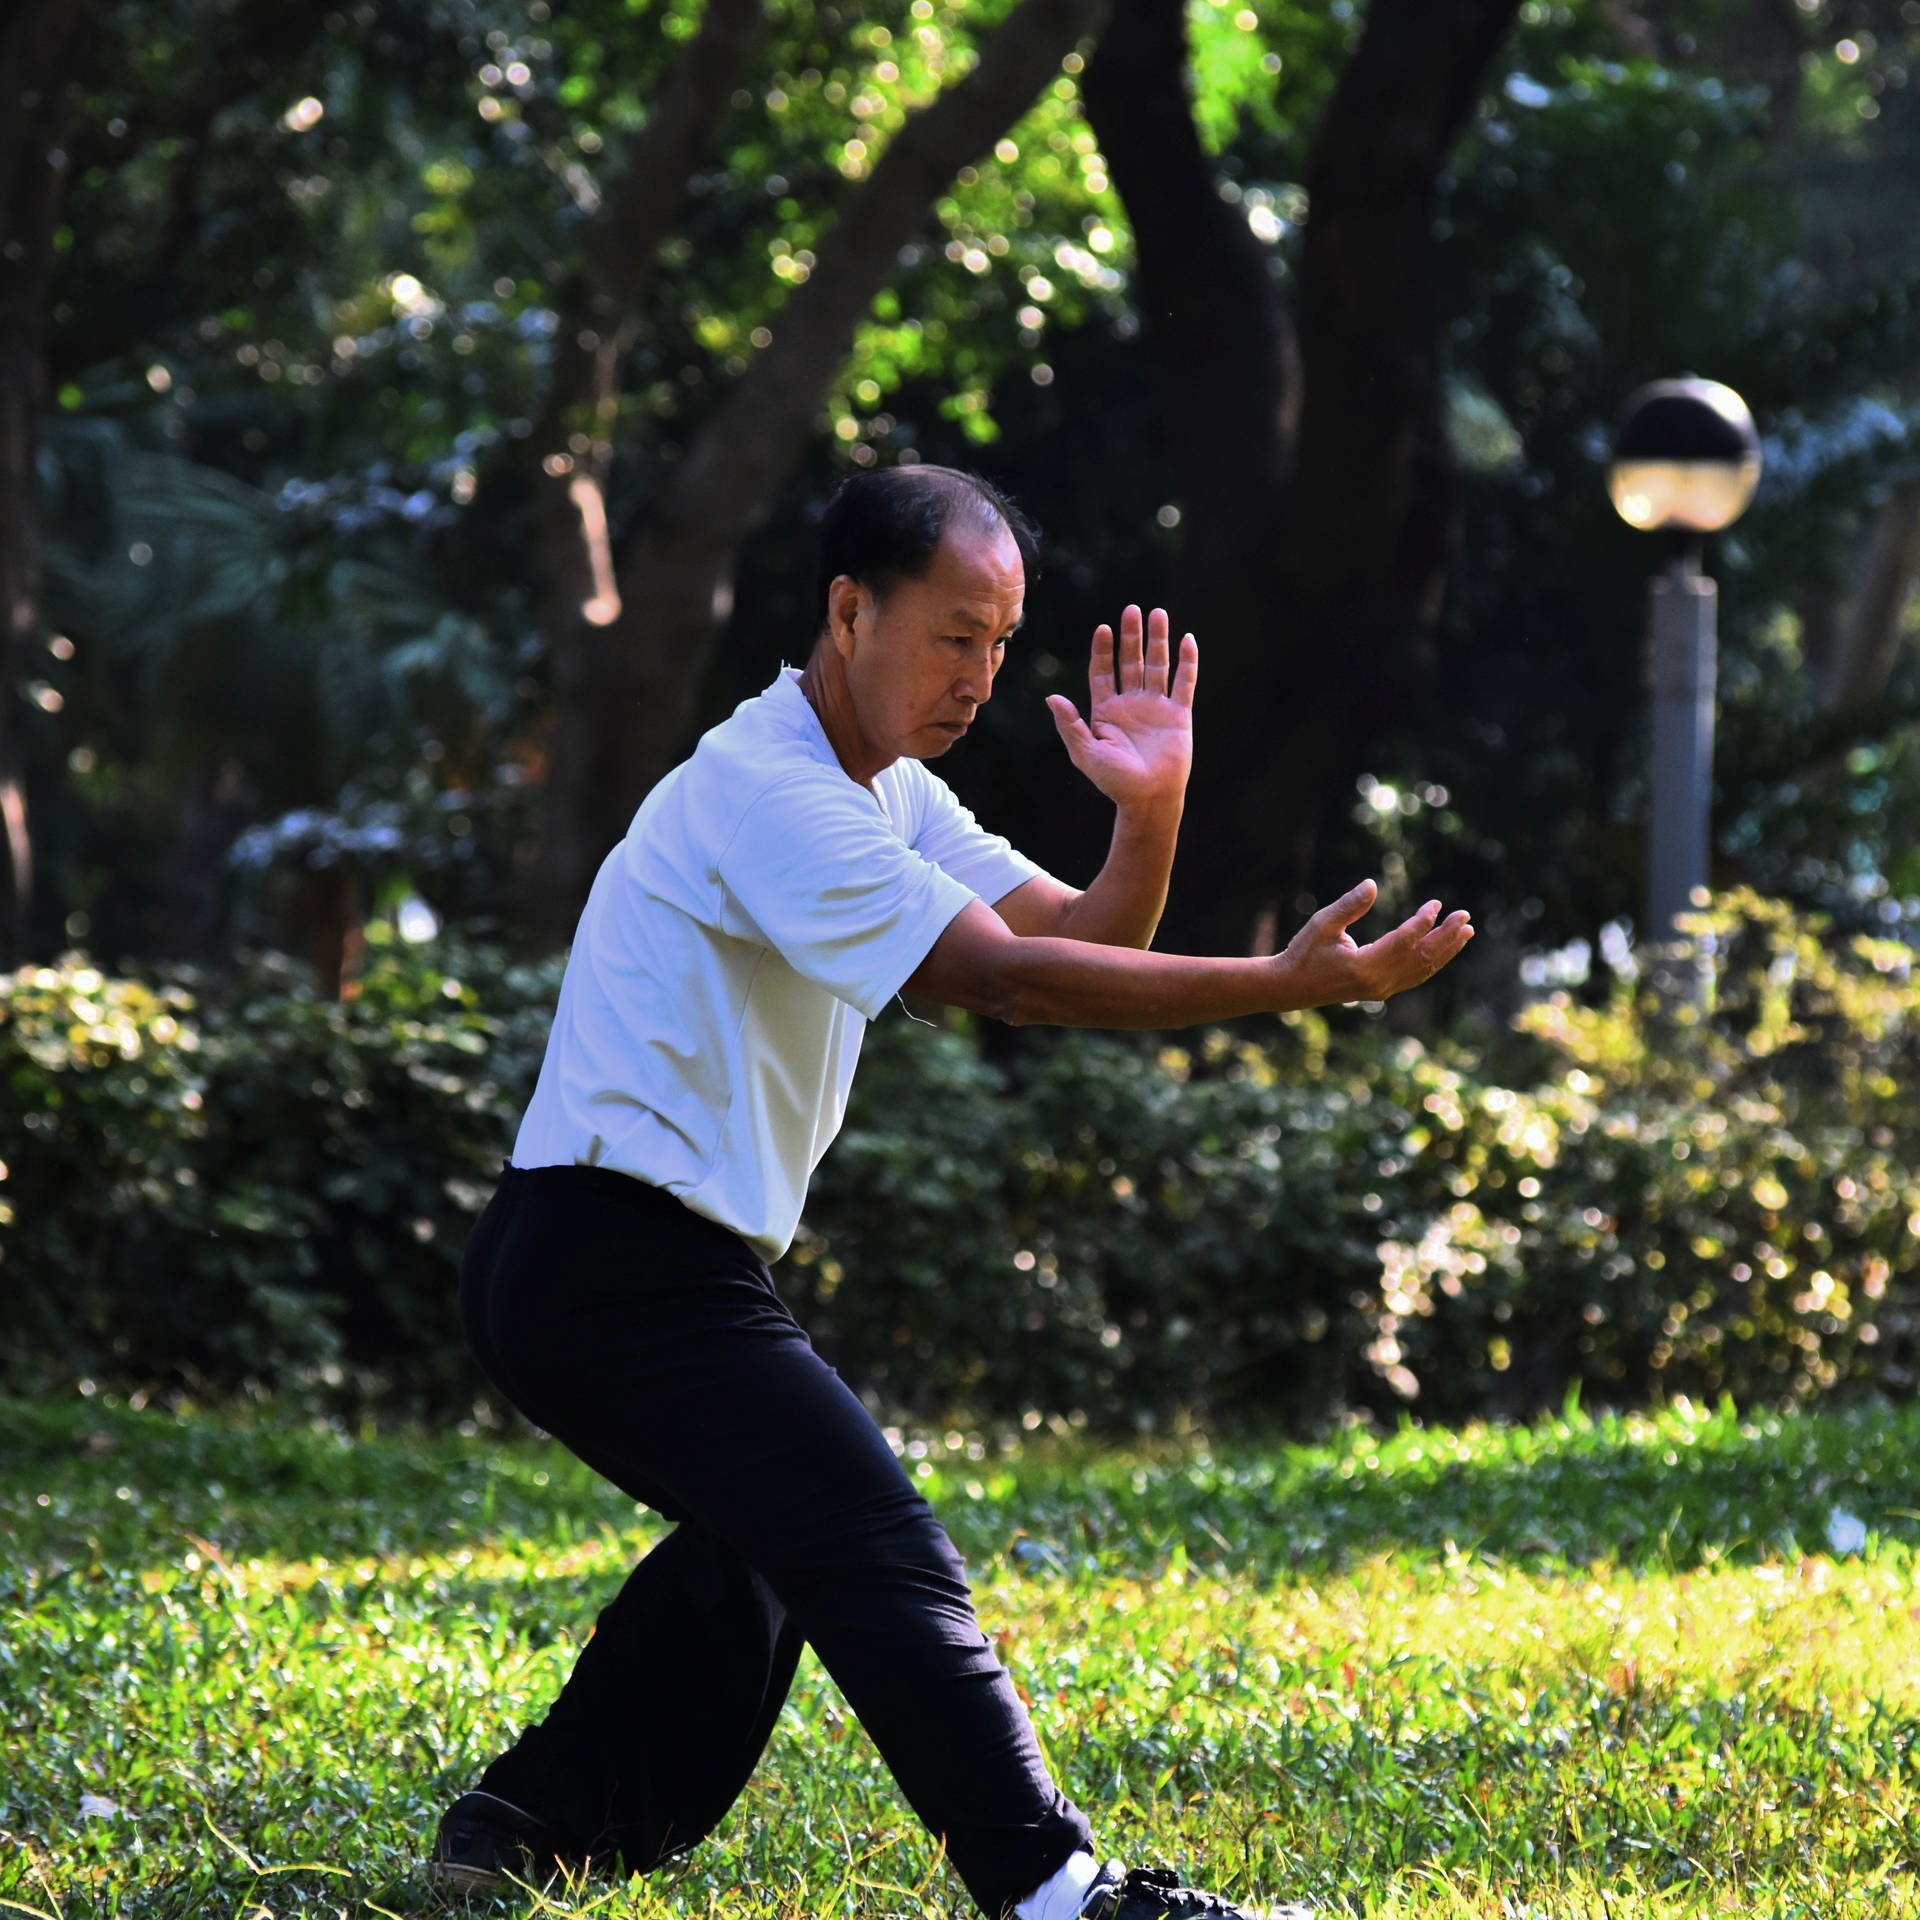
column 847, row 599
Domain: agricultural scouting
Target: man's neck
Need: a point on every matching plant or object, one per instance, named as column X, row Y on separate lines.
column 824, row 682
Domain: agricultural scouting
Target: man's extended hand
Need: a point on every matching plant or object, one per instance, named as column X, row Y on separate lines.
column 1327, row 967
column 1136, row 743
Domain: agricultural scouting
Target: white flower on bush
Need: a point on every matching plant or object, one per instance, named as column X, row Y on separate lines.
column 1409, row 1274
column 1846, row 1532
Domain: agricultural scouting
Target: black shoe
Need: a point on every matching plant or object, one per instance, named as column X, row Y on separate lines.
column 483, row 1839
column 1155, row 1893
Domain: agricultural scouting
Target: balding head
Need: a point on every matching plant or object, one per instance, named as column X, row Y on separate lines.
column 885, row 526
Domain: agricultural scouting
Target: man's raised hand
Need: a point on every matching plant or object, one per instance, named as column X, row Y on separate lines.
column 1325, row 966
column 1136, row 743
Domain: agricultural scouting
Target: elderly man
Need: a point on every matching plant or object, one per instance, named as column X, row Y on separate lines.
column 774, row 894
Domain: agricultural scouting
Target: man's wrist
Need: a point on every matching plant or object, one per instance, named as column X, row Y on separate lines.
column 1289, row 994
column 1299, row 988
column 1150, row 818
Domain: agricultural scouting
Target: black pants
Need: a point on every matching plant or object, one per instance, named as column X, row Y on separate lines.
column 653, row 1345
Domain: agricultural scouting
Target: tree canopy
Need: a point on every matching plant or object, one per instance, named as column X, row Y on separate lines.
column 413, row 416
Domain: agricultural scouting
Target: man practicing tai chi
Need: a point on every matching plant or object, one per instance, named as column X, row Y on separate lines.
column 772, row 895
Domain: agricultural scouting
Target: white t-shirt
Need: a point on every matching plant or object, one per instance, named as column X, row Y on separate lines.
column 762, row 908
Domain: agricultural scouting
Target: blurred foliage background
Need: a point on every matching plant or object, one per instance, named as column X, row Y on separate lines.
column 413, row 419
column 236, row 1185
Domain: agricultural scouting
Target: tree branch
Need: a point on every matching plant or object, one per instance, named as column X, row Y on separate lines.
column 600, row 305
column 644, row 205
column 726, row 483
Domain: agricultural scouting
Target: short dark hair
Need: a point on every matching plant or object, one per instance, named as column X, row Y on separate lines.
column 885, row 525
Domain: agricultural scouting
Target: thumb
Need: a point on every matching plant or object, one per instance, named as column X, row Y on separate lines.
column 1073, row 731
column 1338, row 915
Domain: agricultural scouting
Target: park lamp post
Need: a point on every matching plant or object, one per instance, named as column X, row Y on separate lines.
column 1686, row 463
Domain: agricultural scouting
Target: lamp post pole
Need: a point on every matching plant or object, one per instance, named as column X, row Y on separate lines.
column 1681, row 668
column 1686, row 462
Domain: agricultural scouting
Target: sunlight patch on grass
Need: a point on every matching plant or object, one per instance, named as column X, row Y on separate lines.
column 1562, row 1673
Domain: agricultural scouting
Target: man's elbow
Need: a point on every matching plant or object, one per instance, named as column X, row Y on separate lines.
column 1012, row 1001
column 987, row 987
column 1004, row 989
column 1023, row 1010
column 1074, row 926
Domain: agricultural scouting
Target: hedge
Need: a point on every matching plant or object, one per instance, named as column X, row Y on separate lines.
column 237, row 1185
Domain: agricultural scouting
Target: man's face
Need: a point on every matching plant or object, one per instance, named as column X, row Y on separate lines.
column 920, row 661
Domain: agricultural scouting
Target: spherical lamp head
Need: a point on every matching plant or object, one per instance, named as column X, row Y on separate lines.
column 1687, row 457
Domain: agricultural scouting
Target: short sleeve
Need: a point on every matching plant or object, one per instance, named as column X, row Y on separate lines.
column 822, row 878
column 947, row 834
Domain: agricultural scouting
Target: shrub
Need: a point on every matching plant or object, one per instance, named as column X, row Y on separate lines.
column 1117, row 1228
column 1708, row 1199
column 242, row 1182
column 101, row 1116
column 1714, row 1198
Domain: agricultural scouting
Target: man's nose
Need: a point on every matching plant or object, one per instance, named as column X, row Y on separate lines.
column 976, row 679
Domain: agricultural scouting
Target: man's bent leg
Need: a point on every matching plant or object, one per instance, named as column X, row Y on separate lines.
column 666, row 1712
column 805, row 1484
column 889, row 1613
column 672, row 1699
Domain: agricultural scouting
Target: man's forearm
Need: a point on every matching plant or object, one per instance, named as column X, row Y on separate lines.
column 1079, row 983
column 1123, row 905
column 982, row 964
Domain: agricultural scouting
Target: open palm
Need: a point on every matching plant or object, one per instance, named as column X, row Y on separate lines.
column 1136, row 742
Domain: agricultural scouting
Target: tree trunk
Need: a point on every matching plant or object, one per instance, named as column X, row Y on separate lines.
column 1203, row 285
column 40, row 48
column 1372, row 510
column 600, row 310
column 1330, row 587
column 333, row 915
column 1864, row 642
column 632, row 686
column 1227, row 364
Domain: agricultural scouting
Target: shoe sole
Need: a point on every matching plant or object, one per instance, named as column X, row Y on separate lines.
column 464, row 1879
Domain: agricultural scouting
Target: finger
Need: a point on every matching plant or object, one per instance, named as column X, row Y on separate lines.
column 1132, row 671
column 1338, row 915
column 1408, row 934
column 1100, row 668
column 1446, row 940
column 1442, row 928
column 1441, row 946
column 1075, row 735
column 1187, row 675
column 1156, row 680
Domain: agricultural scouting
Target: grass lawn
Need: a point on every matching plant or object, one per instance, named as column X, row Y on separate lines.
column 1595, row 1667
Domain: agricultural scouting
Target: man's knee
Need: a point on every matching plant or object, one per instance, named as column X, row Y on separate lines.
column 891, row 1542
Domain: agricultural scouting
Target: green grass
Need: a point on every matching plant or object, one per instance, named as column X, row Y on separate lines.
column 1595, row 1667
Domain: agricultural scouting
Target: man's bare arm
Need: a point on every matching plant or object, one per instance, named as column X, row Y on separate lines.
column 981, row 964
column 1136, row 746
column 1122, row 907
